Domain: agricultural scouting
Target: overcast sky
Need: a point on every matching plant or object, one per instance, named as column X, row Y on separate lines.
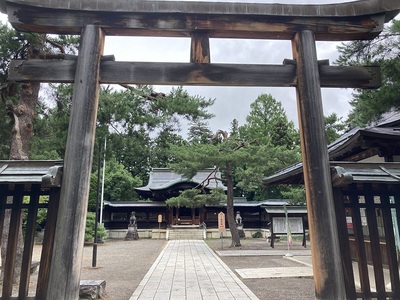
column 234, row 102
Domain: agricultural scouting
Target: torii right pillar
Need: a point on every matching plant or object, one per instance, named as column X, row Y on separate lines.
column 326, row 256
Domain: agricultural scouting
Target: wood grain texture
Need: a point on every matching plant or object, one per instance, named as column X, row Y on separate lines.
column 344, row 244
column 69, row 237
column 200, row 48
column 374, row 240
column 326, row 256
column 29, row 241
column 48, row 244
column 390, row 241
column 354, row 8
column 345, row 21
column 15, row 223
column 360, row 243
column 194, row 74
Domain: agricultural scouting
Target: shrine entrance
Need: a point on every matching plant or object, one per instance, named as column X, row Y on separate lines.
column 303, row 25
column 186, row 216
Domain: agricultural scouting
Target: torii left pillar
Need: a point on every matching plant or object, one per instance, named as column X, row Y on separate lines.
column 69, row 237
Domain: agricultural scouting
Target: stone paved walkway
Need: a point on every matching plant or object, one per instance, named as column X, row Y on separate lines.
column 189, row 269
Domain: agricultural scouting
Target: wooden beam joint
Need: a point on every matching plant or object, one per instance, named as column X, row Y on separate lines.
column 200, row 48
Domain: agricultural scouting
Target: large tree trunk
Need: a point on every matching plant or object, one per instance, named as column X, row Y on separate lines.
column 23, row 115
column 230, row 214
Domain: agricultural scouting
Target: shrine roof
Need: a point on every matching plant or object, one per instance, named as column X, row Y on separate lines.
column 352, row 144
column 243, row 202
column 134, row 204
column 46, row 173
column 289, row 208
column 164, row 178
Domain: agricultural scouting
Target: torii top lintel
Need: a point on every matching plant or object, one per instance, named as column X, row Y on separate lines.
column 335, row 22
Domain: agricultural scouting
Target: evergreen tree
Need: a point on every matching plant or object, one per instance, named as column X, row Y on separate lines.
column 19, row 104
column 268, row 126
column 383, row 51
column 267, row 123
column 238, row 161
column 334, row 127
column 199, row 132
column 119, row 184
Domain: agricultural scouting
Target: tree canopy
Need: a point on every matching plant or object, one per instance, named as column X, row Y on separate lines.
column 245, row 155
column 196, row 197
column 383, row 51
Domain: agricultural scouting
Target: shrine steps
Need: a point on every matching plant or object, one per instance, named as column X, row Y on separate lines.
column 185, row 233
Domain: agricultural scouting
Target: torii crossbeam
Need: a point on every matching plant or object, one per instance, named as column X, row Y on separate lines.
column 199, row 21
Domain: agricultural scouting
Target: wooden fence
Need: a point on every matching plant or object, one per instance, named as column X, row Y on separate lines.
column 367, row 199
column 22, row 184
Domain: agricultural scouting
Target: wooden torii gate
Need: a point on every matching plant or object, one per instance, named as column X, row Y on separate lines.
column 199, row 21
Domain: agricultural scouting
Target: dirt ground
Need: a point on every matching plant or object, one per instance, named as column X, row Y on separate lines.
column 266, row 288
column 123, row 264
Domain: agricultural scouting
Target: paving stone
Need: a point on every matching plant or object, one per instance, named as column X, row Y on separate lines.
column 194, row 271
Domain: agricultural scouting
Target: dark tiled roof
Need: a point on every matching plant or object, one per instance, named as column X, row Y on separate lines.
column 289, row 209
column 350, row 143
column 46, row 173
column 163, row 178
column 391, row 118
column 135, row 204
column 344, row 173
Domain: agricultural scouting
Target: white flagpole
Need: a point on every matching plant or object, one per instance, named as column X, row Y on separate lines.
column 102, row 183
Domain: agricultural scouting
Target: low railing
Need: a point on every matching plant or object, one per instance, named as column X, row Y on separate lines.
column 368, row 216
column 22, row 184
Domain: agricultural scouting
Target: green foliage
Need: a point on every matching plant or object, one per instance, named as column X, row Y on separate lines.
column 257, row 235
column 384, row 51
column 142, row 107
column 51, row 125
column 296, row 195
column 194, row 198
column 334, row 127
column 139, row 125
column 187, row 198
column 142, row 124
column 265, row 162
column 18, row 45
column 41, row 214
column 253, row 151
column 241, row 161
column 160, row 146
column 90, row 230
column 119, row 184
column 275, row 145
column 199, row 132
column 268, row 124
column 216, row 196
column 12, row 45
